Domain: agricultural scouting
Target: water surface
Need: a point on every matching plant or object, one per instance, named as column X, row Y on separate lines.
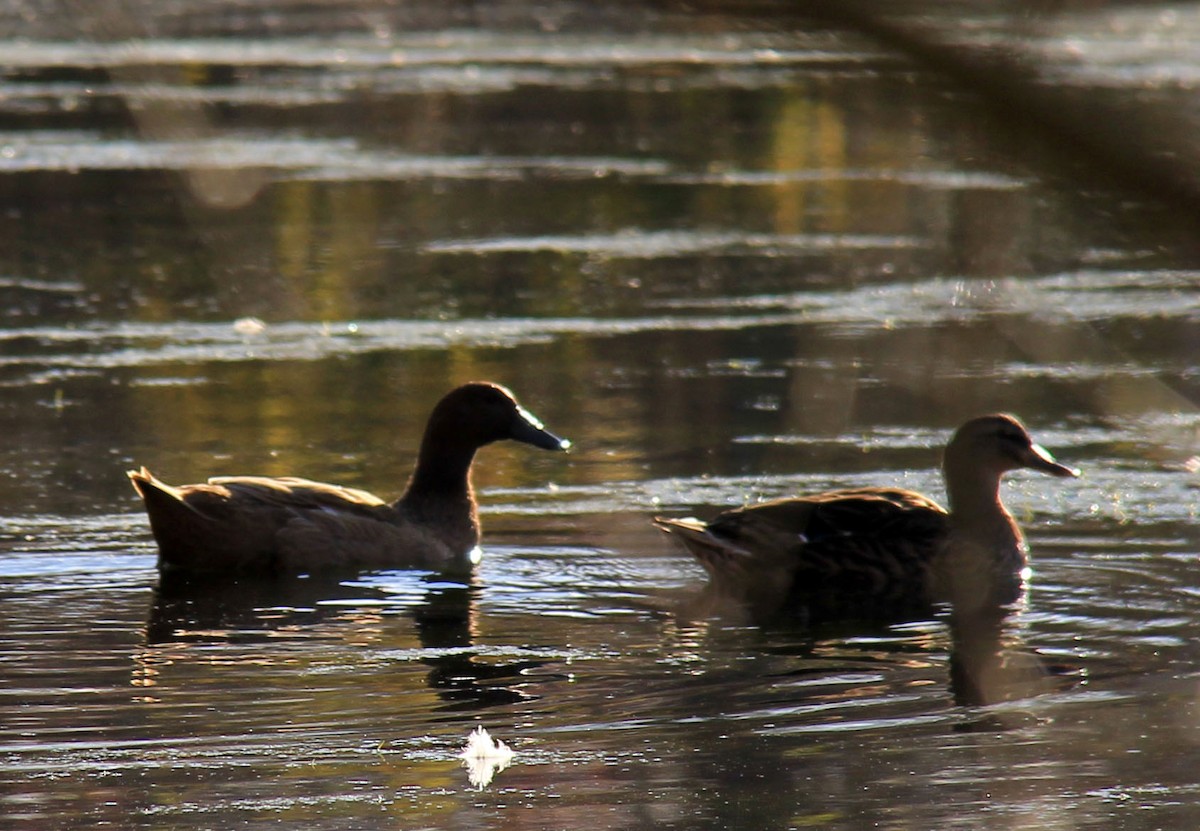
column 731, row 258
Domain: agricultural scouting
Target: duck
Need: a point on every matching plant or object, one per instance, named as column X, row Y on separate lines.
column 877, row 552
column 260, row 524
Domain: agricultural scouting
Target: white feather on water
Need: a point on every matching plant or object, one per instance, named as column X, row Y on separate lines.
column 484, row 757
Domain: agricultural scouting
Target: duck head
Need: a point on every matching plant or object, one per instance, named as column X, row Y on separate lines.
column 480, row 413
column 997, row 444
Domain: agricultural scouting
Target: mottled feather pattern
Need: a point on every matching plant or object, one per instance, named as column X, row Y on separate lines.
column 863, row 549
column 836, row 514
column 879, row 553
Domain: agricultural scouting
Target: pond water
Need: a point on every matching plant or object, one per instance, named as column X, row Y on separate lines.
column 731, row 258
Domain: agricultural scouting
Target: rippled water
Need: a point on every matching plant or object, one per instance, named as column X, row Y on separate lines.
column 731, row 258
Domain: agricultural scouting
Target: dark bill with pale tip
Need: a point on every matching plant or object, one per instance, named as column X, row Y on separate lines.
column 1039, row 458
column 529, row 429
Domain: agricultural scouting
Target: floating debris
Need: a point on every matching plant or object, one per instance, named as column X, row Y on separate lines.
column 247, row 326
column 484, row 757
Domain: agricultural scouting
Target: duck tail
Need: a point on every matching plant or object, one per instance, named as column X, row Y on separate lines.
column 720, row 557
column 161, row 499
column 145, row 483
column 173, row 521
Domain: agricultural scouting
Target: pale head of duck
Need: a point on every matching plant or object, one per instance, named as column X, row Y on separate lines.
column 985, row 448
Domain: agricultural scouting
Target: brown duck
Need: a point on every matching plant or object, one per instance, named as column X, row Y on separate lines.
column 238, row 524
column 878, row 553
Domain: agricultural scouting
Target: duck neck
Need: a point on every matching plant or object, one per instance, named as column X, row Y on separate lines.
column 443, row 471
column 974, row 496
column 984, row 556
column 439, row 496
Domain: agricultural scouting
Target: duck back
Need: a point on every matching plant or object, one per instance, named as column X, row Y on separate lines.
column 856, row 553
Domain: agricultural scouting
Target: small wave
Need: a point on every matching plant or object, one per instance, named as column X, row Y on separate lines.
column 652, row 244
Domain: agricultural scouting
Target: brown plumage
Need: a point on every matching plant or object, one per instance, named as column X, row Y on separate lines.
column 878, row 553
column 238, row 524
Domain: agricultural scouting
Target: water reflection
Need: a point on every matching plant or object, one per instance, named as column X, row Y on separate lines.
column 989, row 664
column 463, row 678
column 444, row 616
column 187, row 609
column 988, row 660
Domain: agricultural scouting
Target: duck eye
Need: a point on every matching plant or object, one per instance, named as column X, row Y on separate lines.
column 1010, row 437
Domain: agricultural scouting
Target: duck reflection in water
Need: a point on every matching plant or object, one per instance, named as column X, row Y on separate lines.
column 989, row 664
column 232, row 551
column 442, row 613
column 873, row 556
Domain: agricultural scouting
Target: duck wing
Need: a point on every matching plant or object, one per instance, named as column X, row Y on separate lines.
column 257, row 523
column 834, row 515
column 285, row 492
column 322, row 526
column 846, row 553
column 869, row 554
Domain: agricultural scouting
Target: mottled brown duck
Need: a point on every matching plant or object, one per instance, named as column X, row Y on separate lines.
column 878, row 553
column 240, row 524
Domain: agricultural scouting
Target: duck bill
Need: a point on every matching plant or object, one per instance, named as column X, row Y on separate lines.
column 527, row 429
column 1037, row 457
